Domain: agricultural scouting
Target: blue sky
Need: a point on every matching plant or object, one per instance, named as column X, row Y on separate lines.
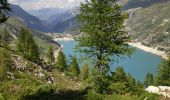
column 39, row 4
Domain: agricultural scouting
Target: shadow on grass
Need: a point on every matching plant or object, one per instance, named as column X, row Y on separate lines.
column 55, row 95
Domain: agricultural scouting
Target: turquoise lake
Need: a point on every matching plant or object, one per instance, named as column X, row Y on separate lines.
column 138, row 65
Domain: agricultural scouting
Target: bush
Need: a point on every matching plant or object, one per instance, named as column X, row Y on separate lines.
column 42, row 92
column 1, row 97
column 149, row 96
column 93, row 96
column 119, row 88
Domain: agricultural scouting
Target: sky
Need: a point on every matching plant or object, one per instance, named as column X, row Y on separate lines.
column 39, row 4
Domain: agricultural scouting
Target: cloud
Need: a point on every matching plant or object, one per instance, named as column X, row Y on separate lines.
column 39, row 4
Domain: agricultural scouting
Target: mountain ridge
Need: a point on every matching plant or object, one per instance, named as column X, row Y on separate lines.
column 30, row 20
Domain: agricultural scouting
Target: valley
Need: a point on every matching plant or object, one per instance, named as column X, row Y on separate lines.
column 97, row 50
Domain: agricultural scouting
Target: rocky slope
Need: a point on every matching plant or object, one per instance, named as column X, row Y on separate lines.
column 151, row 25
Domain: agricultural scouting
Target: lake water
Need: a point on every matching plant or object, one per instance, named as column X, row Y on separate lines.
column 139, row 64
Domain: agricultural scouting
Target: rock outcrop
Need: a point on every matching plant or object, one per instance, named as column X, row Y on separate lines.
column 161, row 90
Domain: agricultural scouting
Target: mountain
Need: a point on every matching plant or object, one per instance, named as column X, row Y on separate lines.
column 46, row 13
column 68, row 26
column 64, row 21
column 151, row 25
column 140, row 3
column 30, row 20
column 15, row 24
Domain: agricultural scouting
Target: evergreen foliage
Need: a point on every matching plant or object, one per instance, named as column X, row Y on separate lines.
column 4, row 10
column 103, row 36
column 50, row 55
column 5, row 63
column 100, row 83
column 61, row 62
column 163, row 77
column 119, row 75
column 27, row 46
column 103, row 31
column 74, row 67
column 5, row 38
column 131, row 80
column 85, row 71
column 149, row 80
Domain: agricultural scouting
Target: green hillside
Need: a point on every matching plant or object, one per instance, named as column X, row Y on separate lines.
column 151, row 25
column 15, row 24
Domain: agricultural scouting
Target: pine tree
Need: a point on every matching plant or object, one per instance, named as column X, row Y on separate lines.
column 85, row 71
column 131, row 80
column 50, row 55
column 5, row 38
column 103, row 31
column 4, row 10
column 149, row 80
column 27, row 46
column 103, row 37
column 74, row 67
column 119, row 75
column 61, row 63
column 139, row 84
column 163, row 77
column 5, row 62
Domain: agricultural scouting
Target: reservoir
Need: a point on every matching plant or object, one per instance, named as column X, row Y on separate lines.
column 138, row 65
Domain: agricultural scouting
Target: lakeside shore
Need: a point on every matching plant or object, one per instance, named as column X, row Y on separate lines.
column 149, row 49
column 134, row 44
column 63, row 39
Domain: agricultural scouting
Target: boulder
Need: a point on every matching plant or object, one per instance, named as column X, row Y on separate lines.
column 161, row 90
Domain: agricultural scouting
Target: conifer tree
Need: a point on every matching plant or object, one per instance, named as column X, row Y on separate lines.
column 27, row 46
column 103, row 34
column 139, row 84
column 61, row 62
column 50, row 55
column 120, row 75
column 149, row 80
column 74, row 67
column 163, row 77
column 85, row 71
column 5, row 62
column 131, row 80
column 5, row 38
column 4, row 9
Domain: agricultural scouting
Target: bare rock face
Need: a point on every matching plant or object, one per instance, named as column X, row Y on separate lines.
column 161, row 90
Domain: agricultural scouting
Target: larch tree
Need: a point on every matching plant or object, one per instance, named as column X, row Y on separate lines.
column 4, row 10
column 103, row 38
column 163, row 77
column 149, row 79
column 5, row 38
column 103, row 34
column 61, row 62
column 74, row 67
column 27, row 46
column 85, row 71
column 50, row 55
column 5, row 63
